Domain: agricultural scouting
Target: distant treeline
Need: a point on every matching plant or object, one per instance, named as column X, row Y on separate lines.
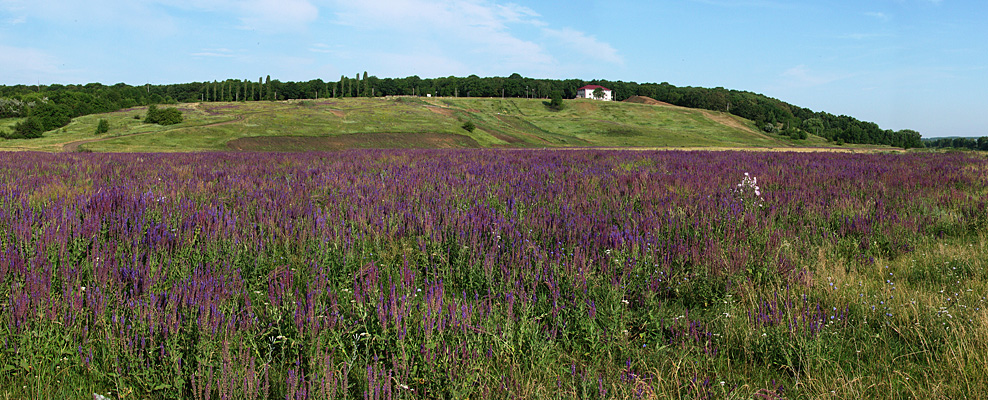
column 980, row 143
column 771, row 114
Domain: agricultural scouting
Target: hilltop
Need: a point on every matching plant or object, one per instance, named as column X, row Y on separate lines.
column 409, row 122
column 39, row 109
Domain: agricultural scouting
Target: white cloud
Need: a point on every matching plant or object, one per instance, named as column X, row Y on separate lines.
column 879, row 15
column 489, row 34
column 585, row 44
column 321, row 48
column 477, row 25
column 223, row 53
column 513, row 13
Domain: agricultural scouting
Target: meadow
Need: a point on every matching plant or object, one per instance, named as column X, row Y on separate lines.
column 407, row 122
column 380, row 274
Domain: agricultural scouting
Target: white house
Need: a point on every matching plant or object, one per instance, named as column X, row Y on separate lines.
column 586, row 92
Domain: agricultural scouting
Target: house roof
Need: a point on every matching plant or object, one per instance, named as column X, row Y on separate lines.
column 593, row 87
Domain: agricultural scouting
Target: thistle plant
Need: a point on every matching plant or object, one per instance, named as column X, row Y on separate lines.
column 749, row 192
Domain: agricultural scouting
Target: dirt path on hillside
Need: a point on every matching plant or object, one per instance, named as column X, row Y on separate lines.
column 445, row 111
column 727, row 120
column 74, row 146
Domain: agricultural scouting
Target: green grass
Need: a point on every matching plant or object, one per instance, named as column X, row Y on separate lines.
column 500, row 123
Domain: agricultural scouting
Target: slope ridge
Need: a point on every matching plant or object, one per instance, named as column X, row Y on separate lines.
column 408, row 122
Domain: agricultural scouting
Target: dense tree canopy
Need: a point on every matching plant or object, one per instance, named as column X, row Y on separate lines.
column 980, row 143
column 15, row 101
column 166, row 116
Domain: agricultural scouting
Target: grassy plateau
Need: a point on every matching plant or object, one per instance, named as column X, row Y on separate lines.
column 408, row 122
column 487, row 273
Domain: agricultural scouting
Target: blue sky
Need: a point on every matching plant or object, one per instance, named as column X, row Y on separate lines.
column 904, row 64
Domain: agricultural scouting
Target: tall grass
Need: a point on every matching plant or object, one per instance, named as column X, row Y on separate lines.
column 492, row 274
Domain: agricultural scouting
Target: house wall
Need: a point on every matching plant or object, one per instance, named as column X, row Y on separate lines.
column 588, row 94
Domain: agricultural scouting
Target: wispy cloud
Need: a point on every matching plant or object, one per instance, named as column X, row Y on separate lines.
column 479, row 25
column 223, row 53
column 585, row 44
column 879, row 16
column 488, row 31
column 321, row 48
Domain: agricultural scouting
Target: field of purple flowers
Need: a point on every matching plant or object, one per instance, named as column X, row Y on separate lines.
column 493, row 274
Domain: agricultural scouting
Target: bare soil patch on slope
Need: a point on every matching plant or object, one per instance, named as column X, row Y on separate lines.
column 645, row 100
column 728, row 120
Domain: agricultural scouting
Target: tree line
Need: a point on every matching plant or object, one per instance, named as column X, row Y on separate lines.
column 980, row 143
column 771, row 114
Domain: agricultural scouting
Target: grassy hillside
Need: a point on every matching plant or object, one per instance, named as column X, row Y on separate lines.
column 330, row 124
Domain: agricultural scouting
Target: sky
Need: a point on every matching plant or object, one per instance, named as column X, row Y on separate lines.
column 904, row 64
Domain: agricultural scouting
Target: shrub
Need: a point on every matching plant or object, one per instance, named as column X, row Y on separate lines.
column 469, row 126
column 556, row 103
column 103, row 126
column 29, row 129
column 51, row 115
column 167, row 116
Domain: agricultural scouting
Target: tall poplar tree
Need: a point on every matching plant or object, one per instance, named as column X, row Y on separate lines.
column 267, row 89
column 367, row 91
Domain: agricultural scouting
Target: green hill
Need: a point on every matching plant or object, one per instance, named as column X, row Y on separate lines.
column 408, row 122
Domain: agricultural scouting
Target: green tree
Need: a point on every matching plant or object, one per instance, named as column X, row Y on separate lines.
column 30, row 128
column 51, row 115
column 598, row 94
column 367, row 91
column 469, row 126
column 167, row 116
column 556, row 103
column 103, row 126
column 151, row 116
column 267, row 88
column 910, row 139
column 814, row 125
